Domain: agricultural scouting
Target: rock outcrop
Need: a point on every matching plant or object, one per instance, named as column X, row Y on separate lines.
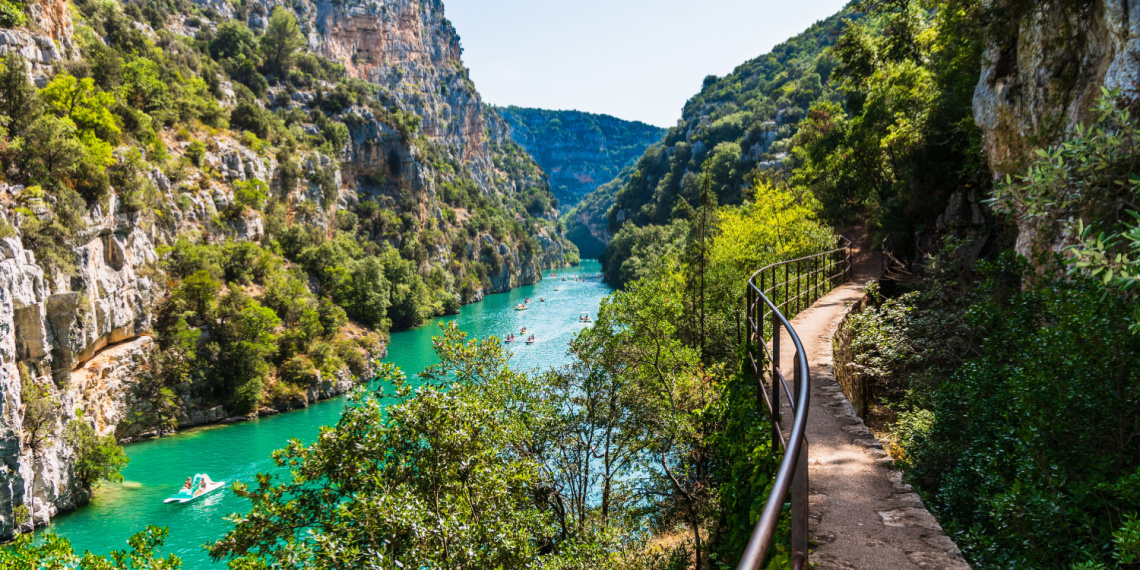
column 1042, row 74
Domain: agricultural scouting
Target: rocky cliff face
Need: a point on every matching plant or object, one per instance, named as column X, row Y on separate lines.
column 85, row 334
column 1044, row 71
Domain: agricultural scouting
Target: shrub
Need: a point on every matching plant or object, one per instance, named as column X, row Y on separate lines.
column 196, row 152
column 299, row 371
column 250, row 117
column 251, row 193
column 97, row 458
column 12, row 14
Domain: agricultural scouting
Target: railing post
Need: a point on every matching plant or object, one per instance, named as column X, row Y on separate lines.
column 799, row 277
column 787, row 299
column 800, row 488
column 776, row 380
column 760, row 313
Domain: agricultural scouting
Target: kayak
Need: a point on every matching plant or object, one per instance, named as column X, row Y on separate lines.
column 185, row 496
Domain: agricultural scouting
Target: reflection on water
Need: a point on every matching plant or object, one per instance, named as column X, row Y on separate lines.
column 238, row 452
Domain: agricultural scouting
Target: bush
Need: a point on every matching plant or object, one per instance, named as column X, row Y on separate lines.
column 12, row 14
column 97, row 458
column 1011, row 403
column 299, row 371
column 196, row 152
column 250, row 117
column 251, row 193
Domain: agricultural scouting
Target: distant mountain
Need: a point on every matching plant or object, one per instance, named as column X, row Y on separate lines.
column 580, row 151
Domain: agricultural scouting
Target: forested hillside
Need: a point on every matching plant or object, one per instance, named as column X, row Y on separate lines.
column 738, row 127
column 241, row 198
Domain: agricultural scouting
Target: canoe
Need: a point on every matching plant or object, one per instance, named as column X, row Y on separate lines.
column 187, row 496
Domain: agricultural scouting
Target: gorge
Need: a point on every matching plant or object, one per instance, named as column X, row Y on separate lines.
column 394, row 149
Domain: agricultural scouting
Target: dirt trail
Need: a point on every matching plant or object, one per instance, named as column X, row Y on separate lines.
column 862, row 515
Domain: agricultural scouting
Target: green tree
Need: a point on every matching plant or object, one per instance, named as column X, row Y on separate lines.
column 19, row 101
column 51, row 552
column 368, row 300
column 41, row 412
column 200, row 293
column 247, row 341
column 429, row 481
column 97, row 458
column 698, row 254
column 234, row 40
column 281, row 41
column 670, row 391
column 84, row 103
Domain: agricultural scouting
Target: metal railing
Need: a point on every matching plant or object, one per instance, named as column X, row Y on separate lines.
column 769, row 296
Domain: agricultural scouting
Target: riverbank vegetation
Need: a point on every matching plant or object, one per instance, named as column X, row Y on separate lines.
column 646, row 451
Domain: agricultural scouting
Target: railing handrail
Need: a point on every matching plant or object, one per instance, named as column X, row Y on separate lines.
column 792, row 473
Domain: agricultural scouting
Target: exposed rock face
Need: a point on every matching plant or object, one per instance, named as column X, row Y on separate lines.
column 47, row 41
column 1045, row 76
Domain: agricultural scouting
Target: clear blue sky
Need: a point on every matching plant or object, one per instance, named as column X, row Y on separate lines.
column 634, row 59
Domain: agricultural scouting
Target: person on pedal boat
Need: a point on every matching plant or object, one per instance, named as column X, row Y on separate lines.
column 203, row 483
column 188, row 485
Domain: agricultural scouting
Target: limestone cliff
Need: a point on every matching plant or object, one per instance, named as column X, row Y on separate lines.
column 1045, row 65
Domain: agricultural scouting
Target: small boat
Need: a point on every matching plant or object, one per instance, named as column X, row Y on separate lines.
column 541, row 299
column 531, row 340
column 523, row 331
column 509, row 339
column 187, row 495
column 521, row 307
column 584, row 318
column 556, row 288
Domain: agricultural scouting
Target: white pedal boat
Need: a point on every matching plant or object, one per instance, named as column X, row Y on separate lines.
column 186, row 496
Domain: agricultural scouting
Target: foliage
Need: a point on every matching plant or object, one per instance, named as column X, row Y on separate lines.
column 12, row 14
column 1014, row 406
column 432, row 480
column 1087, row 188
column 51, row 552
column 905, row 139
column 281, row 41
column 41, row 412
column 97, row 458
column 637, row 252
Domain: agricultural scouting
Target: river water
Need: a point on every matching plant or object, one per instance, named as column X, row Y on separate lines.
column 240, row 451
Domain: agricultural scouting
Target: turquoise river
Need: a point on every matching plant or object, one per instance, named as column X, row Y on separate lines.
column 239, row 451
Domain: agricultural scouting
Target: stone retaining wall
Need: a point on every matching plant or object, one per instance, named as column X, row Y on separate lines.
column 854, row 385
